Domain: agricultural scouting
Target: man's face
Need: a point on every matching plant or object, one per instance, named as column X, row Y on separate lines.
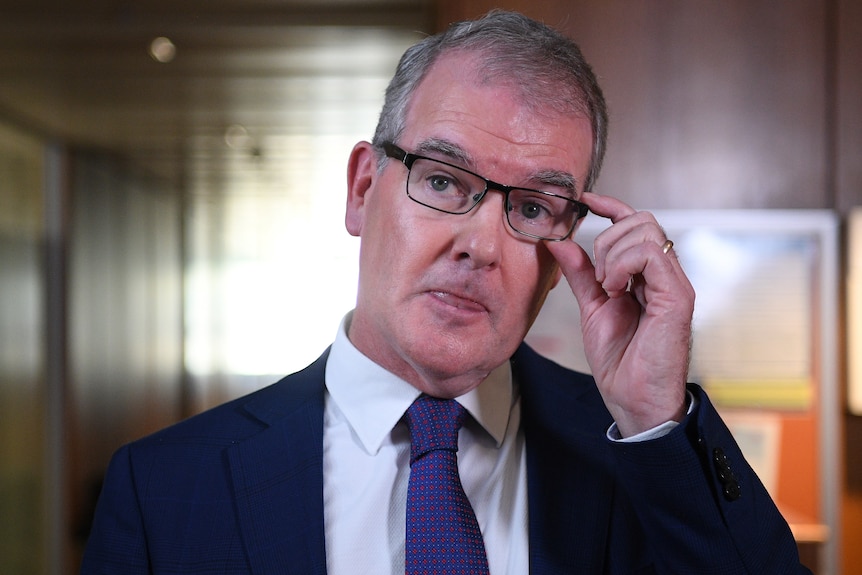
column 444, row 299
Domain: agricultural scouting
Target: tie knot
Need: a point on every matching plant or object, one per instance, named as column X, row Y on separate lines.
column 434, row 425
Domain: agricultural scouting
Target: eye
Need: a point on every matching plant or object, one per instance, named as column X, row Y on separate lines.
column 530, row 208
column 439, row 183
column 532, row 211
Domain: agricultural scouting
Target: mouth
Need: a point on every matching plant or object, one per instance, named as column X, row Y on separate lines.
column 458, row 301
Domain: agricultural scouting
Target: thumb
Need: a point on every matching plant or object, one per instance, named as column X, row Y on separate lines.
column 579, row 272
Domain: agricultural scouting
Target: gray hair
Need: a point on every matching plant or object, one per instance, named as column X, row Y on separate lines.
column 543, row 65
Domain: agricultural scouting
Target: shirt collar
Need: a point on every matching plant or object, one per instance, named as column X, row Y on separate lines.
column 373, row 400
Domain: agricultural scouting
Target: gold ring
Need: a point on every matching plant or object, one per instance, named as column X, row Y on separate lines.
column 666, row 246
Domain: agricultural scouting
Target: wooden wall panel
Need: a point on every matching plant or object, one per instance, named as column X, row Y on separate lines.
column 848, row 107
column 713, row 105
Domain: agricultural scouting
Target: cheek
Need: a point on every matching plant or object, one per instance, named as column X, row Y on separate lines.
column 391, row 241
column 551, row 272
column 543, row 276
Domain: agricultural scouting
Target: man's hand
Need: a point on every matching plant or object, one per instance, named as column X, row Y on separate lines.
column 636, row 307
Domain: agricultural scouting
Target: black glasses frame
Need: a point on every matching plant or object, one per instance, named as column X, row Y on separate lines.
column 395, row 152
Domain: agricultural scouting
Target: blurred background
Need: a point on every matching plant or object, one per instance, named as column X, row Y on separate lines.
column 172, row 187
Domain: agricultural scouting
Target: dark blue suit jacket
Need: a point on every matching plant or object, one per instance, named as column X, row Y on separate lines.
column 239, row 489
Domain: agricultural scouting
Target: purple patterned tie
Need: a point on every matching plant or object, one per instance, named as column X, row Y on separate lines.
column 443, row 535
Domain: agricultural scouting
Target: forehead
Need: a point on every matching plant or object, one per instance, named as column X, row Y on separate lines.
column 492, row 124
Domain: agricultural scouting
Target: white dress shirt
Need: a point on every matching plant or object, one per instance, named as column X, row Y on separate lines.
column 366, row 452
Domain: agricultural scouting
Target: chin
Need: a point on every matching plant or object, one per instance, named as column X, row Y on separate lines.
column 455, row 366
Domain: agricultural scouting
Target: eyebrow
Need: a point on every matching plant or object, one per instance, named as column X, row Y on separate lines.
column 456, row 154
column 450, row 150
column 557, row 178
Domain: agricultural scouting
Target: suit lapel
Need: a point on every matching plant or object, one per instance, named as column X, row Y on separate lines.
column 278, row 477
column 569, row 478
column 278, row 474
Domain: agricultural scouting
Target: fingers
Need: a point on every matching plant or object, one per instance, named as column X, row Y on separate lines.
column 638, row 345
column 632, row 247
column 630, row 255
column 578, row 270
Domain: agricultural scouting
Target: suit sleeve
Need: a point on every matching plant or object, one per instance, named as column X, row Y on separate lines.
column 701, row 506
column 117, row 544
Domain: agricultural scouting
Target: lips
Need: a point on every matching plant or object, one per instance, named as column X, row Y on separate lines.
column 461, row 302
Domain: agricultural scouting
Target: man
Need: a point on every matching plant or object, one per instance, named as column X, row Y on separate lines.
column 630, row 472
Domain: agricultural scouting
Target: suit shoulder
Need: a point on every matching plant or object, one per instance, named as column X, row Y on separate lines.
column 245, row 416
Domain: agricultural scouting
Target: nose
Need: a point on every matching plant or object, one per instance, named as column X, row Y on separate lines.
column 481, row 232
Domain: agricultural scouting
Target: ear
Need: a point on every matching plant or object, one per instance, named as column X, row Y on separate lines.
column 361, row 175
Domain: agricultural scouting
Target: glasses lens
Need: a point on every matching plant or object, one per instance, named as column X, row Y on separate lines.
column 541, row 214
column 449, row 189
column 443, row 187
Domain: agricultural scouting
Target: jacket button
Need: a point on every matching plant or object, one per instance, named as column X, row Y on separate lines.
column 730, row 484
column 732, row 491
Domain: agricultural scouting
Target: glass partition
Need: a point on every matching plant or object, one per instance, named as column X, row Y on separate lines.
column 24, row 500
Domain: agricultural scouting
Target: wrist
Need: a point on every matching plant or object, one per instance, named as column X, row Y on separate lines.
column 652, row 425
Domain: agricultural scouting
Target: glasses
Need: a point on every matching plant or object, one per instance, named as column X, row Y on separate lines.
column 447, row 188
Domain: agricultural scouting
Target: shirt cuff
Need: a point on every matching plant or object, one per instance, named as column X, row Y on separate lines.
column 654, row 433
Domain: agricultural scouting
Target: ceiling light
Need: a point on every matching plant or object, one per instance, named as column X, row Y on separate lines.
column 237, row 137
column 162, row 50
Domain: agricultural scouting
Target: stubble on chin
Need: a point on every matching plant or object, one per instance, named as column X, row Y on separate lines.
column 449, row 362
